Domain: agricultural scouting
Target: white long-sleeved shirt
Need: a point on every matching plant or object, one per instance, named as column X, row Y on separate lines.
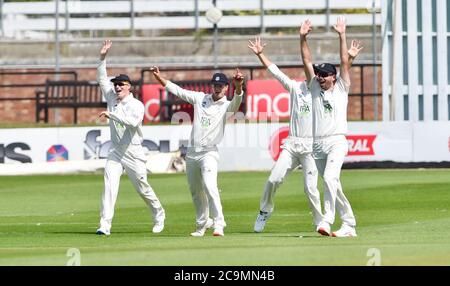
column 329, row 108
column 300, row 123
column 209, row 116
column 126, row 115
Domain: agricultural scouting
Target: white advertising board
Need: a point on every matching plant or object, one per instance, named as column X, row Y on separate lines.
column 245, row 146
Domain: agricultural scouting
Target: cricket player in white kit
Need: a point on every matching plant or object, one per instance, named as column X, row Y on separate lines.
column 125, row 114
column 297, row 148
column 330, row 97
column 210, row 115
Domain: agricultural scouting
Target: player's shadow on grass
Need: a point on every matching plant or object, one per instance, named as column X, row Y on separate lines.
column 72, row 232
column 122, row 233
column 300, row 236
column 278, row 235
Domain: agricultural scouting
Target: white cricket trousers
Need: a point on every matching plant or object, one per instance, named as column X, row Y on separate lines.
column 201, row 169
column 287, row 162
column 133, row 161
column 329, row 153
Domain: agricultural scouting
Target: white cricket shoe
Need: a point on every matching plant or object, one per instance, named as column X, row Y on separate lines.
column 158, row 227
column 324, row 228
column 345, row 231
column 101, row 231
column 218, row 231
column 200, row 231
column 261, row 220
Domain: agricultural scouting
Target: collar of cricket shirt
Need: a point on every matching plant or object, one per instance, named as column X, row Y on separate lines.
column 220, row 101
column 327, row 95
column 127, row 98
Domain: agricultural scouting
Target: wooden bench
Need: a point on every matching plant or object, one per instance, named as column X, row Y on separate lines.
column 70, row 94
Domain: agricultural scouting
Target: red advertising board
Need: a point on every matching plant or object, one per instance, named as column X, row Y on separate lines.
column 150, row 97
column 267, row 99
column 358, row 145
column 276, row 141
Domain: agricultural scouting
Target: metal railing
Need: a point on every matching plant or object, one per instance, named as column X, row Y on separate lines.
column 135, row 15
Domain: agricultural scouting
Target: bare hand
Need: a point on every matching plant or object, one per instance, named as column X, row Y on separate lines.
column 340, row 25
column 238, row 78
column 104, row 114
column 256, row 46
column 155, row 70
column 355, row 48
column 105, row 48
column 305, row 27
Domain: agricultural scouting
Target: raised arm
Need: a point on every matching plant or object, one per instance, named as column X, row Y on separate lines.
column 305, row 28
column 238, row 80
column 186, row 95
column 102, row 76
column 157, row 75
column 257, row 48
column 105, row 48
column 340, row 28
column 353, row 52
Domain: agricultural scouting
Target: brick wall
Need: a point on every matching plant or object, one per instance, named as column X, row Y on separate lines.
column 24, row 111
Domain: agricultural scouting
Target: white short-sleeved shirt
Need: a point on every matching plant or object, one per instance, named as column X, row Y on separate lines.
column 329, row 108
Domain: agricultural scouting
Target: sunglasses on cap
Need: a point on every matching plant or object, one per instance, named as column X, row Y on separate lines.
column 121, row 83
column 323, row 74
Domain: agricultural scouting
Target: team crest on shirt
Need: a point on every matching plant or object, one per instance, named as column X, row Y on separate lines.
column 205, row 122
column 328, row 108
column 204, row 103
column 304, row 110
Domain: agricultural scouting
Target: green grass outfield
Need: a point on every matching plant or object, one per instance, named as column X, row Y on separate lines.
column 405, row 214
